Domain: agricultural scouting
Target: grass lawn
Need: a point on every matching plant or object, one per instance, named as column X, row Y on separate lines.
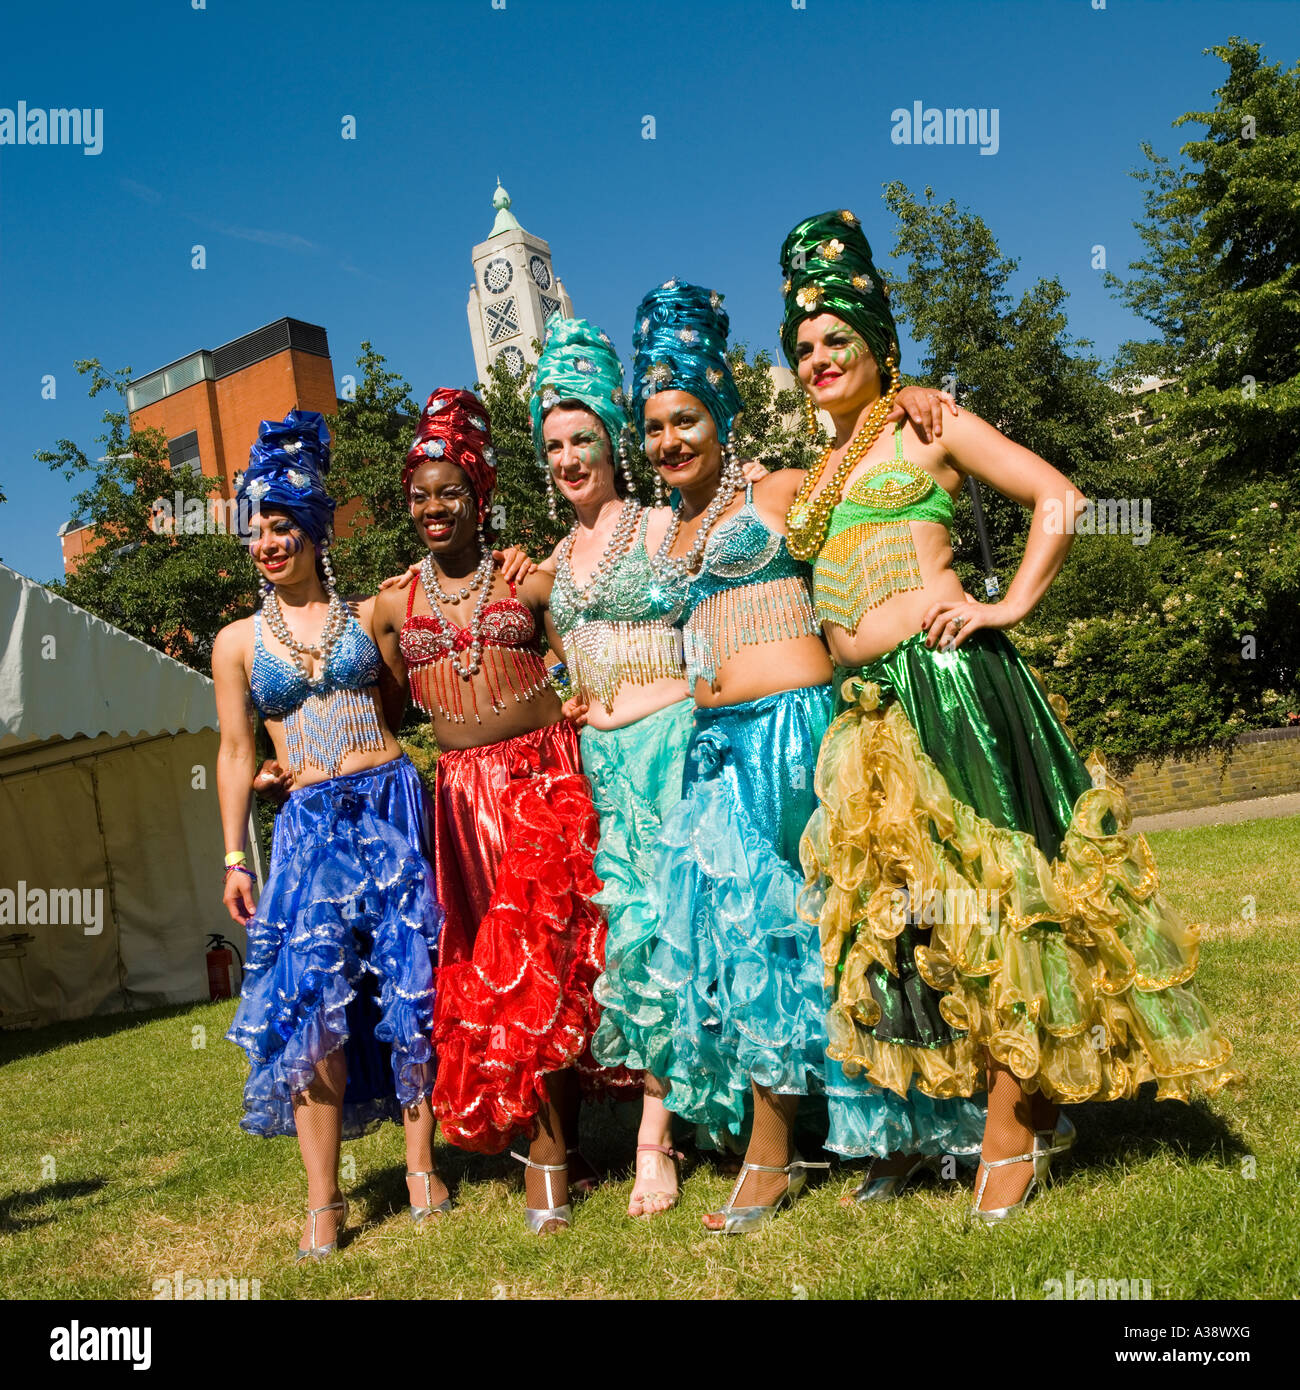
column 122, row 1162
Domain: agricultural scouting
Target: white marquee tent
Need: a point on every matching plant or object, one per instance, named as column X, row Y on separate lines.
column 108, row 794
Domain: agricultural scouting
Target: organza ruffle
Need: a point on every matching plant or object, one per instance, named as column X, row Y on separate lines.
column 1073, row 972
column 520, row 1004
column 636, row 779
column 340, row 952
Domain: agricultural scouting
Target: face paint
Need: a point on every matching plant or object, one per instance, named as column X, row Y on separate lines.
column 846, row 349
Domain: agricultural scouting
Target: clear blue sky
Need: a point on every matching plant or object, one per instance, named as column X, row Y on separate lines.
column 222, row 127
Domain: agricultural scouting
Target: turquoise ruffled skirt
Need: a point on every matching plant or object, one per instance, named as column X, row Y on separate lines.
column 636, row 779
column 744, row 967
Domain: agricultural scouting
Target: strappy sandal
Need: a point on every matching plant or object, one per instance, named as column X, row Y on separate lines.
column 1048, row 1144
column 892, row 1185
column 742, row 1220
column 319, row 1252
column 677, row 1159
column 538, row 1217
column 428, row 1211
column 585, row 1186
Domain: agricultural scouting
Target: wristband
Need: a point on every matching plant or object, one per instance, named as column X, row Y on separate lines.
column 237, row 869
column 236, row 856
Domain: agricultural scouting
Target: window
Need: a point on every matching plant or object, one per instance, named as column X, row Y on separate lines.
column 497, row 275
column 501, row 319
column 183, row 451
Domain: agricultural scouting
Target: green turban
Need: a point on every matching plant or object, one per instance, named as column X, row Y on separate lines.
column 828, row 269
column 578, row 363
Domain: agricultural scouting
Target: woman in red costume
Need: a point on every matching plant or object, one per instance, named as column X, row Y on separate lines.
column 522, row 943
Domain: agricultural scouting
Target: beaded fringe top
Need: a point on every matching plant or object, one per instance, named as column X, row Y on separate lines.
column 745, row 616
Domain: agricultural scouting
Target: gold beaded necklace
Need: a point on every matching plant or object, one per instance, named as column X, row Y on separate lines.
column 806, row 523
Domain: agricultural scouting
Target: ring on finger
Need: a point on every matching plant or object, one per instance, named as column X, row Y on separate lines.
column 958, row 624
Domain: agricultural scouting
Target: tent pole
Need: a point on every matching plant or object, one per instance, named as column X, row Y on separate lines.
column 112, row 894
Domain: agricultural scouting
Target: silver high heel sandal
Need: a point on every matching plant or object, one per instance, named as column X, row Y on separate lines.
column 319, row 1252
column 537, row 1217
column 740, row 1221
column 1041, row 1157
column 428, row 1211
column 1051, row 1142
column 886, row 1189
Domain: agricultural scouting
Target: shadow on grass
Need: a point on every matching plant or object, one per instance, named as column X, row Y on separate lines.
column 16, row 1044
column 13, row 1215
column 1121, row 1132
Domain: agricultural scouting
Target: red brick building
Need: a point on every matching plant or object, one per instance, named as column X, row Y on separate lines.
column 209, row 404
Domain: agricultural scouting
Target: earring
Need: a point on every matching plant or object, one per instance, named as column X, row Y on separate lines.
column 731, row 470
column 550, row 496
column 625, row 465
column 328, row 567
column 660, row 495
column 810, row 415
column 894, row 378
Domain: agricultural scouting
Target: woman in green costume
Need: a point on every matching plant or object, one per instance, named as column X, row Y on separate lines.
column 987, row 916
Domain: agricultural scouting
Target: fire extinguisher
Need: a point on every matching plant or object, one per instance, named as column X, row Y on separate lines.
column 222, row 982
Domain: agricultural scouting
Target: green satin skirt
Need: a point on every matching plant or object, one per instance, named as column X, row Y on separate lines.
column 976, row 893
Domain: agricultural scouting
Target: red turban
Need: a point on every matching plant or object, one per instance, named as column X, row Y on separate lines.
column 455, row 426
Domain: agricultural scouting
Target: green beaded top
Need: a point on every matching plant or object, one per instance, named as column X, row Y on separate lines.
column 895, row 491
column 633, row 593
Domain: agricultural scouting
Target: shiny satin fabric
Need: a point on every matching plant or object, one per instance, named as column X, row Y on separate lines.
column 1033, row 914
column 636, row 779
column 523, row 941
column 340, row 951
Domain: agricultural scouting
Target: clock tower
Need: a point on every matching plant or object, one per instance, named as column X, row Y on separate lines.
column 515, row 291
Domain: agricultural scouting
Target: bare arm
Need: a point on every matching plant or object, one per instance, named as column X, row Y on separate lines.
column 974, row 447
column 236, row 757
column 383, row 616
column 774, row 494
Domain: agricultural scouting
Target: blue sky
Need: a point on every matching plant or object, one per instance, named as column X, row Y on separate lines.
column 222, row 127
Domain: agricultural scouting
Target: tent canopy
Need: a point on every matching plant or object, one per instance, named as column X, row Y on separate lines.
column 108, row 798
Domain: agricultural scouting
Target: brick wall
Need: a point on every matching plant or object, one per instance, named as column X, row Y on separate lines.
column 1263, row 763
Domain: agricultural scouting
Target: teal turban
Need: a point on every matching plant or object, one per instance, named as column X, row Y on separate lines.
column 680, row 343
column 578, row 363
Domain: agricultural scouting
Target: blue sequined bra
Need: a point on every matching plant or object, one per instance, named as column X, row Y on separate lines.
column 624, row 629
column 750, row 589
column 329, row 718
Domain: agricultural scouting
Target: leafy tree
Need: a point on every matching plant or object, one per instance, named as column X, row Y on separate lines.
column 772, row 426
column 172, row 586
column 370, row 437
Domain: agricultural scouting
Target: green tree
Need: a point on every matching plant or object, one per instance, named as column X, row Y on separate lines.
column 371, row 435
column 772, row 426
column 164, row 574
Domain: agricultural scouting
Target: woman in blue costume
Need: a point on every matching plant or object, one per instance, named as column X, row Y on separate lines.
column 988, row 919
column 750, row 1029
column 336, row 1009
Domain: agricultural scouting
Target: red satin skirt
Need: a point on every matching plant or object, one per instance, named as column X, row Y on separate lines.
column 522, row 942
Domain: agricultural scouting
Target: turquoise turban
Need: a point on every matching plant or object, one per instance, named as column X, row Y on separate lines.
column 680, row 343
column 578, row 363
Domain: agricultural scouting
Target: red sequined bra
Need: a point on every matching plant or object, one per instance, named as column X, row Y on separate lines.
column 510, row 662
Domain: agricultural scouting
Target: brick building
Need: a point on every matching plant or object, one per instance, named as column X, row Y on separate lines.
column 210, row 402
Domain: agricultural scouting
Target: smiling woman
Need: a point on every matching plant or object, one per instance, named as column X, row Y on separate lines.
column 516, row 831
column 336, row 1009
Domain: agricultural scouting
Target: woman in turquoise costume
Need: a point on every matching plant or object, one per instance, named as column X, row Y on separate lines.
column 749, row 1035
column 987, row 917
column 624, row 659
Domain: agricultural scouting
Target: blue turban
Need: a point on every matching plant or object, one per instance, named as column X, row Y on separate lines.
column 680, row 344
column 578, row 363
column 286, row 469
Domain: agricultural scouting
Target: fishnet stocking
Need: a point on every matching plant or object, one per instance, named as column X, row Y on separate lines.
column 318, row 1118
column 548, row 1146
column 771, row 1143
column 417, row 1121
column 1008, row 1130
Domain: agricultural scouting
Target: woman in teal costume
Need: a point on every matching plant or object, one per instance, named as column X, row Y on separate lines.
column 624, row 658
column 987, row 917
column 750, row 1030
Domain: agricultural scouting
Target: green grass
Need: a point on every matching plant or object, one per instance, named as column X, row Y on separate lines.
column 150, row 1173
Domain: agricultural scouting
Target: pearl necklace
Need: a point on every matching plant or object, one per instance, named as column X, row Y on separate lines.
column 620, row 540
column 461, row 594
column 677, row 567
column 336, row 620
column 429, row 579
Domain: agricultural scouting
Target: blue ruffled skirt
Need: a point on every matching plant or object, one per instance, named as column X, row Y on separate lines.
column 341, row 950
column 745, row 967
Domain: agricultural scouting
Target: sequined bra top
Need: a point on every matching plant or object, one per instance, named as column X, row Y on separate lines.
column 278, row 687
column 436, row 653
column 869, row 555
column 749, row 589
column 325, row 719
column 624, row 631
